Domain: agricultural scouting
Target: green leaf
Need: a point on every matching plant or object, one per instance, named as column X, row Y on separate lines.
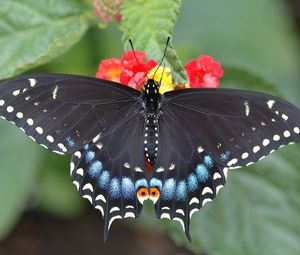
column 35, row 32
column 18, row 168
column 149, row 23
column 258, row 210
column 55, row 191
column 239, row 78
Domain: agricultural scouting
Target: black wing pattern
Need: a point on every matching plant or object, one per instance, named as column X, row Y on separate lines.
column 97, row 121
column 63, row 112
column 203, row 133
column 110, row 171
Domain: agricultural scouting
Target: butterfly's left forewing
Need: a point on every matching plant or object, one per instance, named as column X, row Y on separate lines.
column 63, row 112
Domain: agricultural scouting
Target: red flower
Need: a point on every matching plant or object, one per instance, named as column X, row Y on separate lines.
column 135, row 72
column 204, row 72
column 109, row 69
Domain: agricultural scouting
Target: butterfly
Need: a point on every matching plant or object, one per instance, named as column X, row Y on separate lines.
column 190, row 137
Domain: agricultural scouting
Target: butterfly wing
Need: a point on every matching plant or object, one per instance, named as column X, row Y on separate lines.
column 64, row 112
column 110, row 170
column 203, row 133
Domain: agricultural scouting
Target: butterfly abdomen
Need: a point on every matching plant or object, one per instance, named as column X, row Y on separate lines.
column 151, row 138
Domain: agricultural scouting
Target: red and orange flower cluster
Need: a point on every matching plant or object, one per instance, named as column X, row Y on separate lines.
column 203, row 72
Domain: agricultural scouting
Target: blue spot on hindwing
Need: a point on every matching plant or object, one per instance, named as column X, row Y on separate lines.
column 181, row 191
column 95, row 168
column 156, row 183
column 86, row 146
column 192, row 182
column 224, row 156
column 168, row 189
column 202, row 172
column 208, row 161
column 141, row 183
column 128, row 190
column 70, row 141
column 104, row 180
column 115, row 188
column 89, row 156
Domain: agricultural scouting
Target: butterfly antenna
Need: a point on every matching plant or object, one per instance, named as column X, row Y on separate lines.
column 131, row 44
column 165, row 51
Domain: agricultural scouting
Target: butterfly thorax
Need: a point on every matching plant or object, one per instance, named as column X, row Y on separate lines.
column 151, row 104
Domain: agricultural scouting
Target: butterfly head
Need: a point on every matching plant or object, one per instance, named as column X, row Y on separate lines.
column 151, row 87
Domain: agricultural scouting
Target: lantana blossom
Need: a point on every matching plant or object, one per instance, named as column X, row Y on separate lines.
column 133, row 70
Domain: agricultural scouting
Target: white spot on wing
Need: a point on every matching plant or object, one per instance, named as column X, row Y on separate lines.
column 165, row 216
column 30, row 122
column 100, row 197
column 80, row 171
column 19, row 115
column 172, row 166
column 54, row 93
column 88, row 197
column 266, row 142
column 194, row 200
column 160, row 169
column 245, row 155
column 200, row 149
column 126, row 164
column 9, row 109
column 138, row 169
column 270, row 104
column 32, row 82
column 207, row 190
column 112, row 219
column 2, row 102
column 284, row 116
column 39, row 130
column 72, row 166
column 62, row 147
column 286, row 133
column 129, row 215
column 256, row 149
column 206, row 200
column 247, row 108
column 296, row 130
column 50, row 138
column 114, row 209
column 276, row 138
column 16, row 92
column 217, row 176
column 180, row 211
column 77, row 154
column 193, row 211
column 89, row 187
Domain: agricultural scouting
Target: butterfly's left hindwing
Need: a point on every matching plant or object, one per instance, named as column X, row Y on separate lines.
column 64, row 112
column 110, row 170
column 203, row 133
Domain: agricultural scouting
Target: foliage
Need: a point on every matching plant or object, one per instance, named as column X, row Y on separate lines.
column 257, row 212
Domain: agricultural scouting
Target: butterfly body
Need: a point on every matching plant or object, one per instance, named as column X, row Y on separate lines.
column 191, row 137
column 151, row 102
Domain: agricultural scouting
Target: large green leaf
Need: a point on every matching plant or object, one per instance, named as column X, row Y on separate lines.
column 18, row 167
column 148, row 23
column 55, row 191
column 258, row 211
column 34, row 32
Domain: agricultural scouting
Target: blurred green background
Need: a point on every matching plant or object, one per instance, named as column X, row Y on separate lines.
column 258, row 211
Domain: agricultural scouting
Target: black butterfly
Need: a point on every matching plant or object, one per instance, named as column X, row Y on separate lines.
column 191, row 137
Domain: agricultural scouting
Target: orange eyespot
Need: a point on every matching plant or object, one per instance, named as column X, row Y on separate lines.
column 154, row 192
column 142, row 195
